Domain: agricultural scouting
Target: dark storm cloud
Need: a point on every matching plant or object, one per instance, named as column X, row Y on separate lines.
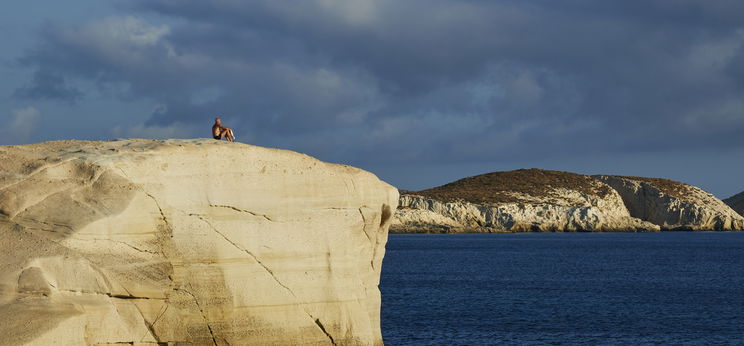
column 48, row 85
column 434, row 80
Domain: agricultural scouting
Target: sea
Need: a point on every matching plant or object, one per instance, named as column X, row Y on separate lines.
column 675, row 288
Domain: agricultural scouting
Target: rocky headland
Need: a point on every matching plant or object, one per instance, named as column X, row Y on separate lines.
column 552, row 201
column 189, row 242
column 672, row 205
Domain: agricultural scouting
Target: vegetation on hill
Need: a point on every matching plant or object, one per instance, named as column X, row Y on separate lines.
column 669, row 187
column 507, row 187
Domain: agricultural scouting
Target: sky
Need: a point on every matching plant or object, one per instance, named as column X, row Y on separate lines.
column 420, row 92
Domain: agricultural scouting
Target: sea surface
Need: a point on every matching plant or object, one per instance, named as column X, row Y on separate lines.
column 564, row 289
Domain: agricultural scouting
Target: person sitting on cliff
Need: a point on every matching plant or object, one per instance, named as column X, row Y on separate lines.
column 220, row 132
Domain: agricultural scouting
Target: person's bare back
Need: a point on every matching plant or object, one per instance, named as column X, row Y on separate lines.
column 219, row 132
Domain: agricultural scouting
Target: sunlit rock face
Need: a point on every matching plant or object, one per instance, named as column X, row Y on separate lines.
column 517, row 201
column 673, row 205
column 188, row 241
column 420, row 214
column 541, row 200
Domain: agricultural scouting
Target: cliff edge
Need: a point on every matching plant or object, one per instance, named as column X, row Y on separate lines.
column 542, row 200
column 673, row 205
column 517, row 201
column 188, row 241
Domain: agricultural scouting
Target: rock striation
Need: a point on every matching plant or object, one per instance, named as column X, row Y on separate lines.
column 517, row 201
column 541, row 200
column 193, row 242
column 673, row 205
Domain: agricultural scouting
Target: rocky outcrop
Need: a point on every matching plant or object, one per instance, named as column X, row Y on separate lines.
column 541, row 200
column 517, row 201
column 420, row 214
column 673, row 205
column 736, row 202
column 187, row 242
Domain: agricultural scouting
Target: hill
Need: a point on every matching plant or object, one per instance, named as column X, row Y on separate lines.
column 518, row 186
column 517, row 201
column 544, row 200
column 736, row 202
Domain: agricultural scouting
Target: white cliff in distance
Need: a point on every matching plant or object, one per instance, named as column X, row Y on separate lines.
column 541, row 200
column 517, row 201
column 673, row 205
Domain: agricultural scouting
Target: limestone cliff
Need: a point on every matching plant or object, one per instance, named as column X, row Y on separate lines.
column 736, row 202
column 517, row 201
column 673, row 205
column 187, row 241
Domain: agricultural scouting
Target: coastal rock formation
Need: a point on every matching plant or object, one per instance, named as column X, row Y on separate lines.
column 736, row 202
column 541, row 200
column 517, row 201
column 673, row 205
column 196, row 242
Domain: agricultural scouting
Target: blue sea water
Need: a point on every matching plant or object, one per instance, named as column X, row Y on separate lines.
column 564, row 289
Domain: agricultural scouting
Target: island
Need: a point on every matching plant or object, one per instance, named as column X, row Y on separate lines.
column 536, row 200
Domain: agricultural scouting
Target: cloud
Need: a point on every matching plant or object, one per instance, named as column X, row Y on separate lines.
column 418, row 80
column 49, row 85
column 176, row 130
column 21, row 126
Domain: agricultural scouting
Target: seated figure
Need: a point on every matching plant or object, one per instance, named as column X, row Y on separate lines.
column 220, row 132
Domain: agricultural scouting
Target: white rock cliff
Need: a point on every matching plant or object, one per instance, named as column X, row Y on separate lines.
column 566, row 211
column 540, row 200
column 188, row 242
column 690, row 209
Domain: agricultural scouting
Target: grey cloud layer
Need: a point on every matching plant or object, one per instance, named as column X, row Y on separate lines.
column 434, row 80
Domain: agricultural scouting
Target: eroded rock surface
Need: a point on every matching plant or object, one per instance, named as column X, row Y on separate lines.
column 188, row 241
column 517, row 201
column 541, row 200
column 673, row 205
